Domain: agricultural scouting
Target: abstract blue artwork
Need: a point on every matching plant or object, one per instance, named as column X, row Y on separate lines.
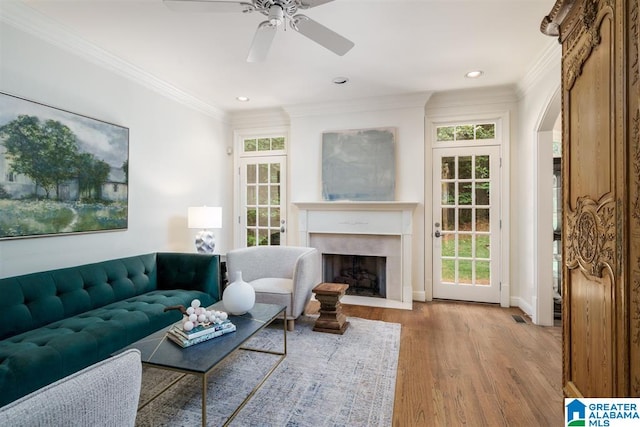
column 359, row 165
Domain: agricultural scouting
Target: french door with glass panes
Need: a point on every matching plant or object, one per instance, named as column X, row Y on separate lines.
column 262, row 201
column 466, row 223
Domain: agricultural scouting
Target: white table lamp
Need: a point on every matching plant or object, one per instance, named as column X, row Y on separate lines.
column 205, row 218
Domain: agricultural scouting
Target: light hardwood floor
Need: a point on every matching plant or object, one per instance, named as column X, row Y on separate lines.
column 473, row 365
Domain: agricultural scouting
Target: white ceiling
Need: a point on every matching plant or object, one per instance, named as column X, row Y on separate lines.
column 401, row 47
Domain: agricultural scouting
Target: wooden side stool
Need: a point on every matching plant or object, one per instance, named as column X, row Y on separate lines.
column 331, row 318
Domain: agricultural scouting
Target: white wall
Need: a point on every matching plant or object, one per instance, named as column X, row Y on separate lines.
column 405, row 113
column 177, row 155
column 534, row 165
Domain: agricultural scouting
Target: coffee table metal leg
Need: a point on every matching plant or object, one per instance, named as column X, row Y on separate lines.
column 204, row 400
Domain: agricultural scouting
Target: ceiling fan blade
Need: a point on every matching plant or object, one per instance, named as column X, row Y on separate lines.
column 208, row 6
column 261, row 42
column 306, row 4
column 321, row 35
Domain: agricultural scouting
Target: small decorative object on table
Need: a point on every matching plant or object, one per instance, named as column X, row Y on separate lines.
column 239, row 296
column 199, row 324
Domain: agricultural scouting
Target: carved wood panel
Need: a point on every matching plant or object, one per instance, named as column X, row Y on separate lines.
column 601, row 194
column 633, row 96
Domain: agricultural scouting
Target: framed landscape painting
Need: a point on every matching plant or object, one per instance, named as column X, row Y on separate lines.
column 60, row 172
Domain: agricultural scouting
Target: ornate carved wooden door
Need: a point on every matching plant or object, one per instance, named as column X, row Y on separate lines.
column 601, row 241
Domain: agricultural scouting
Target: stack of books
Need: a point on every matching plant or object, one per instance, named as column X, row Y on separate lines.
column 198, row 334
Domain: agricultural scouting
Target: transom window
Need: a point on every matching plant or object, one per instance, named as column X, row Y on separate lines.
column 259, row 145
column 466, row 132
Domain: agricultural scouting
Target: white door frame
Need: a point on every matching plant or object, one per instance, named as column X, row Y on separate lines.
column 238, row 137
column 503, row 118
column 543, row 226
column 459, row 291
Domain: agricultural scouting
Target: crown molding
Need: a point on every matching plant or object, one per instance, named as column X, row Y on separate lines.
column 549, row 58
column 29, row 20
column 413, row 100
column 470, row 98
column 263, row 118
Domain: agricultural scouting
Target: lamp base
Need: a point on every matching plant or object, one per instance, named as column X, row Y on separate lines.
column 205, row 242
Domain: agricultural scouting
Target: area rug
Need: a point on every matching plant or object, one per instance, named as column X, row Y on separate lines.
column 325, row 380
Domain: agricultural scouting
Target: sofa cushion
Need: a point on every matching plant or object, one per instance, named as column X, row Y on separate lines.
column 34, row 300
column 38, row 357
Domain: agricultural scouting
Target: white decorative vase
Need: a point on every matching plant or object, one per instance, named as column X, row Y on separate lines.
column 239, row 296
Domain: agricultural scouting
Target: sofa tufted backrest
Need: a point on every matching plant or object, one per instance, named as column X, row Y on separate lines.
column 36, row 299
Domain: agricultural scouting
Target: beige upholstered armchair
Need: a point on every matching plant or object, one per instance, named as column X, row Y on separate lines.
column 279, row 274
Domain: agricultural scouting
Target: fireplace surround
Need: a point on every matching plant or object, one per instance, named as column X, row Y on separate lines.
column 376, row 229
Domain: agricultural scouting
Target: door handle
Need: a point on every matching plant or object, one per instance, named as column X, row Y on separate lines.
column 282, row 228
column 437, row 233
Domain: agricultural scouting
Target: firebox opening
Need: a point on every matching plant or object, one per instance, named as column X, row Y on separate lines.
column 365, row 275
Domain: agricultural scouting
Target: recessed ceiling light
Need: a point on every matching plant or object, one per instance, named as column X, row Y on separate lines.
column 242, row 98
column 340, row 80
column 474, row 74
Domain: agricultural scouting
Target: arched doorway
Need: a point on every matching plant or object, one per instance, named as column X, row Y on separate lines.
column 544, row 220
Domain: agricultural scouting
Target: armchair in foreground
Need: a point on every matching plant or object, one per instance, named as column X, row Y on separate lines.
column 282, row 275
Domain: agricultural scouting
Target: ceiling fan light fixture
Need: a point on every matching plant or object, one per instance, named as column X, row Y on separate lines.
column 242, row 98
column 276, row 15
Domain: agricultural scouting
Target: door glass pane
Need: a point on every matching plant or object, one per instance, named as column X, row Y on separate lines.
column 251, row 217
column 263, row 237
column 445, row 133
column 263, row 217
column 251, row 174
column 263, row 195
column 483, row 273
column 482, row 220
column 482, row 193
column 448, row 168
column 464, row 167
column 486, row 131
column 275, row 194
column 277, row 143
column 448, row 244
column 465, row 195
column 448, row 193
column 448, row 273
column 465, row 242
column 275, row 173
column 250, row 145
column 275, row 218
column 483, row 246
column 448, row 219
column 264, row 144
column 251, row 237
column 464, row 132
column 464, row 220
column 465, row 271
column 482, row 167
column 263, row 173
column 251, row 195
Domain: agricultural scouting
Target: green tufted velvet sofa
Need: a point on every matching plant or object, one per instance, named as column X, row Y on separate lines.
column 55, row 323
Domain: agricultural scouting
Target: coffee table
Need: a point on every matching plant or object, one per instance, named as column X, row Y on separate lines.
column 200, row 359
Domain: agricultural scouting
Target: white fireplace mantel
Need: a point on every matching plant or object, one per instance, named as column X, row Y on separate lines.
column 357, row 206
column 371, row 219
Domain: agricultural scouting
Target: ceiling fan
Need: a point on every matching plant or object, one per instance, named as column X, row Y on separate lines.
column 278, row 12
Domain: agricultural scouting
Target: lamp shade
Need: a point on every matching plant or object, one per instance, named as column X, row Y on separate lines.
column 204, row 217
